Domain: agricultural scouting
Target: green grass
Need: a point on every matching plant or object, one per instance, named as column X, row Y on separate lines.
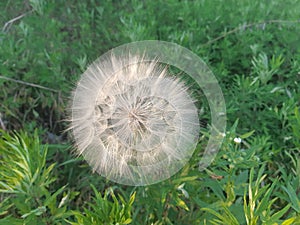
column 253, row 48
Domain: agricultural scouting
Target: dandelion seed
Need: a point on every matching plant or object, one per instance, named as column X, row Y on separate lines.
column 132, row 121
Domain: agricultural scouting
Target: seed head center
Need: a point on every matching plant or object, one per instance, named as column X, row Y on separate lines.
column 136, row 120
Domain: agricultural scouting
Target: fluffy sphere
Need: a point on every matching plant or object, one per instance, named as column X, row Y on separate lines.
column 132, row 121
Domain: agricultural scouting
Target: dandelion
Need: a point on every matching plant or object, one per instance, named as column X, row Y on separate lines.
column 132, row 121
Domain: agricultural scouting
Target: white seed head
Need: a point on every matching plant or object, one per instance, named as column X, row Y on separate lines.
column 132, row 121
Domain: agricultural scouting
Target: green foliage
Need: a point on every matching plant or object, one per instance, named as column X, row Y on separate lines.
column 253, row 49
column 257, row 205
column 25, row 182
column 23, row 164
column 105, row 211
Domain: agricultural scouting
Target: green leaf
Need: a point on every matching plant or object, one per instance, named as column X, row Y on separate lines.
column 127, row 221
column 51, row 200
column 179, row 202
column 276, row 216
column 293, row 197
column 215, row 213
column 264, row 203
column 132, row 198
column 38, row 211
column 10, row 220
column 217, row 189
column 184, row 179
column 246, row 135
column 289, row 221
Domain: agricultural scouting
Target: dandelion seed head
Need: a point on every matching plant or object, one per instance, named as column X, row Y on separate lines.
column 132, row 121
